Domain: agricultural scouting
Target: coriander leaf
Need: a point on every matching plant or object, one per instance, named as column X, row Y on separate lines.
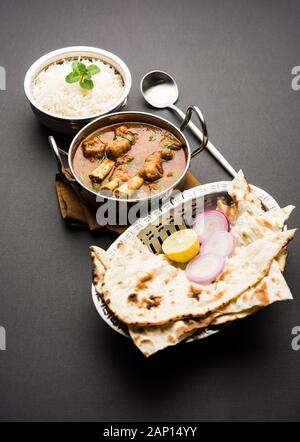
column 93, row 69
column 97, row 188
column 168, row 143
column 87, row 84
column 73, row 77
column 128, row 137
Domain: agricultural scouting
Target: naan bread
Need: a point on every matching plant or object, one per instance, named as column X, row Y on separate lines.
column 230, row 210
column 154, row 292
column 247, row 202
column 100, row 264
column 150, row 339
column 282, row 258
column 271, row 289
column 249, row 228
column 245, row 199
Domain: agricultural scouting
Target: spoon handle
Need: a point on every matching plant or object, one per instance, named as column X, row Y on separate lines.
column 210, row 147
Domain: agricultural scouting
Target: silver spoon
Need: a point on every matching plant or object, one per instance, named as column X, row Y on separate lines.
column 160, row 90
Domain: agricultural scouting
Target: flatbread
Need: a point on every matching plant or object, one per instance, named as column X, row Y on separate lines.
column 282, row 258
column 245, row 199
column 150, row 339
column 230, row 210
column 154, row 292
column 269, row 290
column 272, row 288
column 249, row 228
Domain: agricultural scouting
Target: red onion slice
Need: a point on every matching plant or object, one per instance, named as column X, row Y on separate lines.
column 220, row 243
column 205, row 268
column 209, row 222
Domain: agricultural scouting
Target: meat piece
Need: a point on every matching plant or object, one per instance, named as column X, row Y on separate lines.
column 166, row 154
column 127, row 189
column 122, row 173
column 119, row 176
column 171, row 142
column 118, row 147
column 152, row 168
column 125, row 132
column 153, row 187
column 170, row 173
column 121, row 144
column 111, row 185
column 98, row 174
column 93, row 148
column 123, row 160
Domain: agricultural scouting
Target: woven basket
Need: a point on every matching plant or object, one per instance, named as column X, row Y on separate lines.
column 152, row 230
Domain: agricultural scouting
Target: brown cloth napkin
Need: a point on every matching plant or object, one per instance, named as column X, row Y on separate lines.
column 77, row 213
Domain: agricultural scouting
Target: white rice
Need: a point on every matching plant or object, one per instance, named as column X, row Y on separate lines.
column 53, row 94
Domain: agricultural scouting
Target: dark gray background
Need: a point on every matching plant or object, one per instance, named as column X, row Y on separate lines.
column 234, row 60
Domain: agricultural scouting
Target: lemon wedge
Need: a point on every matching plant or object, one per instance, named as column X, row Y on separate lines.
column 181, row 246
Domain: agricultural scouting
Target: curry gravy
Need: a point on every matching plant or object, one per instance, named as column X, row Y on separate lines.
column 148, row 139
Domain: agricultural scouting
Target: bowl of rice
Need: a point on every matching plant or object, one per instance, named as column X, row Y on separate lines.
column 67, row 106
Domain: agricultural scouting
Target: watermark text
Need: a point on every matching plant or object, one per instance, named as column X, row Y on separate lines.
column 172, row 209
column 296, row 78
column 296, row 339
column 2, row 338
column 2, row 79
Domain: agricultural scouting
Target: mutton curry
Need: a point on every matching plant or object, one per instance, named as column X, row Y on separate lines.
column 131, row 160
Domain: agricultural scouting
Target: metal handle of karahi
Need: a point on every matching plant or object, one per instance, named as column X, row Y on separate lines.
column 57, row 155
column 188, row 116
column 210, row 147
